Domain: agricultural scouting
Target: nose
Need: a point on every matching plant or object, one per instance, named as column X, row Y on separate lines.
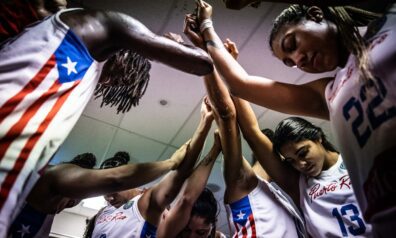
column 302, row 164
column 300, row 59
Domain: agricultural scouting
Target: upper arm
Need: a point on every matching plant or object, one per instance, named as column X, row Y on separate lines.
column 305, row 100
column 280, row 172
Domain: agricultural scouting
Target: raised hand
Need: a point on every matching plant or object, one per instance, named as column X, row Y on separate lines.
column 190, row 30
column 231, row 48
column 204, row 10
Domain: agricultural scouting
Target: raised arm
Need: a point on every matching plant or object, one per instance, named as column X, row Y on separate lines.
column 104, row 33
column 72, row 181
column 238, row 175
column 156, row 199
column 179, row 215
column 280, row 172
column 307, row 99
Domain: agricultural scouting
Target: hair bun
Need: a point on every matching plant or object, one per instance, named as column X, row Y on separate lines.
column 123, row 155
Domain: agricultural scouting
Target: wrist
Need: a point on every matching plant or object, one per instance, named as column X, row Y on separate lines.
column 205, row 24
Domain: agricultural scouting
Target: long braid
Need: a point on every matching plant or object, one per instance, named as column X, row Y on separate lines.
column 128, row 76
column 347, row 20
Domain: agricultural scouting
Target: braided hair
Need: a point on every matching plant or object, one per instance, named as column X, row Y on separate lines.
column 86, row 160
column 119, row 158
column 346, row 18
column 128, row 75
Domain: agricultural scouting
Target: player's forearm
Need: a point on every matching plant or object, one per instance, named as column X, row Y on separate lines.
column 227, row 66
column 246, row 119
column 196, row 145
column 219, row 96
column 198, row 179
column 132, row 34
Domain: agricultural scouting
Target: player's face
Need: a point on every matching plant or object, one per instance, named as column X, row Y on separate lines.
column 196, row 228
column 306, row 156
column 311, row 46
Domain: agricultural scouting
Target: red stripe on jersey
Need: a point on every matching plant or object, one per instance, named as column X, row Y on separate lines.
column 252, row 226
column 19, row 126
column 244, row 232
column 237, row 230
column 13, row 102
column 24, row 154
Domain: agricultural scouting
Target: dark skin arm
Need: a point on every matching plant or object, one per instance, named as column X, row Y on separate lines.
column 72, row 181
column 105, row 33
column 155, row 200
column 179, row 215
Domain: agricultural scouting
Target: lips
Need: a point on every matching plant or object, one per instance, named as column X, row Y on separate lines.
column 309, row 169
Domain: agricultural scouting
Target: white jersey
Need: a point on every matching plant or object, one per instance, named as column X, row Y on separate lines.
column 47, row 77
column 259, row 214
column 329, row 204
column 363, row 120
column 125, row 221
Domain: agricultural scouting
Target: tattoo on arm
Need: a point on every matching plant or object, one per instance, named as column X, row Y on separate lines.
column 212, row 43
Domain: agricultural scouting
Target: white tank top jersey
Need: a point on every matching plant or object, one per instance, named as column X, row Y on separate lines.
column 47, row 77
column 329, row 204
column 125, row 221
column 363, row 120
column 259, row 214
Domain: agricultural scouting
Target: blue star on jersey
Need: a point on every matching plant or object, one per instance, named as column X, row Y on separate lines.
column 148, row 231
column 28, row 223
column 72, row 59
column 241, row 210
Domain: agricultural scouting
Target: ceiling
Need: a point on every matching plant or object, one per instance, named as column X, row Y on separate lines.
column 151, row 131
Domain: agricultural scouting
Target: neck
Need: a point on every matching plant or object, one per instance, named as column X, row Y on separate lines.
column 330, row 159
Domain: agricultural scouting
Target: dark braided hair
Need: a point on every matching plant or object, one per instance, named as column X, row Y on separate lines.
column 86, row 160
column 346, row 18
column 127, row 74
column 119, row 158
column 296, row 129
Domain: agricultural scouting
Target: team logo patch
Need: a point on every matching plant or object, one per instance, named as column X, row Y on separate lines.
column 342, row 166
column 128, row 205
column 102, row 236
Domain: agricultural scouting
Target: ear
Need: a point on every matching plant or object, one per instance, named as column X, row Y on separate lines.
column 315, row 14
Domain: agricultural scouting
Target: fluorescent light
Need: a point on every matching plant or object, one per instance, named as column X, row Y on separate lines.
column 95, row 203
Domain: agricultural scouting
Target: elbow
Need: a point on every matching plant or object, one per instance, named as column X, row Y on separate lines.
column 227, row 114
